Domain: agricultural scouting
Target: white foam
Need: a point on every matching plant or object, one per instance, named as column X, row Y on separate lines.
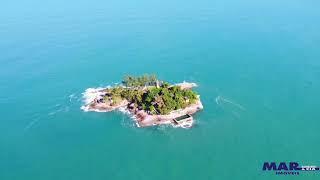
column 124, row 110
column 89, row 95
column 186, row 84
column 217, row 100
column 184, row 125
column 71, row 97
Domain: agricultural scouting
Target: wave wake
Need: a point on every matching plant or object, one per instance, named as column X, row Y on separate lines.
column 221, row 99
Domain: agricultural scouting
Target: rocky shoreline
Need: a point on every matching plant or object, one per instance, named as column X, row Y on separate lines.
column 143, row 118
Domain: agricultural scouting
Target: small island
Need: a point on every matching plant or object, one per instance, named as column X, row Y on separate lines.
column 148, row 100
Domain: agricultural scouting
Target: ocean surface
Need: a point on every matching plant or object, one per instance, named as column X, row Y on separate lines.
column 257, row 64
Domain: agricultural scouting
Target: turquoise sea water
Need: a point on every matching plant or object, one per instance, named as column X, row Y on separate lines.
column 262, row 58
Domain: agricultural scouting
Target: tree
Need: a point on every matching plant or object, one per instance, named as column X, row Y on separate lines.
column 139, row 81
column 154, row 100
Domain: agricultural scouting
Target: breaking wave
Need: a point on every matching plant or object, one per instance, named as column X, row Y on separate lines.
column 89, row 95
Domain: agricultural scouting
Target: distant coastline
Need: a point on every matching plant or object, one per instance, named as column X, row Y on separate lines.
column 148, row 100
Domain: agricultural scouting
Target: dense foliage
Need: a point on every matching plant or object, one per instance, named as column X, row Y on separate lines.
column 155, row 100
column 166, row 99
column 145, row 80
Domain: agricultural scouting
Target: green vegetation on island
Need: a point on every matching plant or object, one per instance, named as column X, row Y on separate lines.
column 148, row 93
column 144, row 80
